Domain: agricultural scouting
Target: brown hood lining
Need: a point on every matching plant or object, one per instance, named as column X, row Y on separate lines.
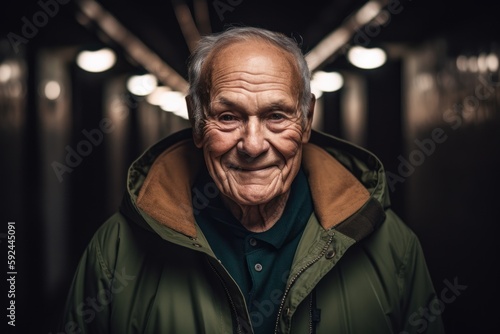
column 166, row 193
column 336, row 193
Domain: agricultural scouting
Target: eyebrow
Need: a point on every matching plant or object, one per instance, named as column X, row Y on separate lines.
column 277, row 105
column 224, row 101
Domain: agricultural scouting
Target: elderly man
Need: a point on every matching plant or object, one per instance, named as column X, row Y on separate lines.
column 251, row 222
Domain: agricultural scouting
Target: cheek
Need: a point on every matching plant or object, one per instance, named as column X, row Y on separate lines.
column 288, row 143
column 217, row 142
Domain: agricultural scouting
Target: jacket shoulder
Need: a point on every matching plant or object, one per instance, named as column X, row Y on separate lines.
column 395, row 236
column 106, row 241
column 396, row 227
column 396, row 241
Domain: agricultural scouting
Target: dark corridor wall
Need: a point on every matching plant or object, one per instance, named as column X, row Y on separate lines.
column 453, row 207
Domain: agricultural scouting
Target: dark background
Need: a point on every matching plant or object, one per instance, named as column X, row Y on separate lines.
column 450, row 200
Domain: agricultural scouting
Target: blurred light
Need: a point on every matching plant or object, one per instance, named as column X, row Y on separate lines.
column 424, row 81
column 52, row 90
column 131, row 44
column 316, row 91
column 158, row 96
column 142, row 85
column 492, row 62
column 118, row 107
column 10, row 70
column 182, row 111
column 175, row 103
column 369, row 11
column 366, row 58
column 5, row 72
column 339, row 38
column 481, row 63
column 96, row 61
column 462, row 63
column 382, row 18
column 327, row 81
column 472, row 64
column 327, row 47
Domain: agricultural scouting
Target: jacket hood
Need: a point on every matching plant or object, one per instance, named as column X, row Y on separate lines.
column 343, row 178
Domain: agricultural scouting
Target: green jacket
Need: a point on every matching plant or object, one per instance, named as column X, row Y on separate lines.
column 357, row 269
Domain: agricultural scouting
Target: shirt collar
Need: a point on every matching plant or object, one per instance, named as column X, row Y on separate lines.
column 297, row 211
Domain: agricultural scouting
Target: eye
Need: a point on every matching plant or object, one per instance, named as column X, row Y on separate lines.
column 276, row 116
column 227, row 118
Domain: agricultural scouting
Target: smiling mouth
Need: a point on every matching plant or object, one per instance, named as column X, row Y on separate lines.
column 249, row 168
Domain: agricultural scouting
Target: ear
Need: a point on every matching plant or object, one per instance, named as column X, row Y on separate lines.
column 196, row 137
column 306, row 134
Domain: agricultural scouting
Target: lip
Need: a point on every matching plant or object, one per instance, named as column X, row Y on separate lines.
column 249, row 168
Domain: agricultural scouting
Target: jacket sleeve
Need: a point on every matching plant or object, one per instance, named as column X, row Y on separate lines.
column 90, row 295
column 419, row 303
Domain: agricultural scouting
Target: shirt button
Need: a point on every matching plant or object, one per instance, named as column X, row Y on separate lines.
column 258, row 267
column 252, row 242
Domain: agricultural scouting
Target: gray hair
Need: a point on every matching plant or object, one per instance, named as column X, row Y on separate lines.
column 198, row 85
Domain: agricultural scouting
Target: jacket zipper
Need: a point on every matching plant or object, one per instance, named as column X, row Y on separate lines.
column 238, row 325
column 311, row 315
column 294, row 279
column 314, row 313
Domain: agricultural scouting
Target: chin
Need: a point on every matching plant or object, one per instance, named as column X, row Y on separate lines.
column 253, row 199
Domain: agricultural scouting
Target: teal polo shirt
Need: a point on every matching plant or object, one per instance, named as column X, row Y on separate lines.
column 258, row 262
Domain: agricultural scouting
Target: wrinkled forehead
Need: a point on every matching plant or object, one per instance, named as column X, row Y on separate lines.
column 245, row 55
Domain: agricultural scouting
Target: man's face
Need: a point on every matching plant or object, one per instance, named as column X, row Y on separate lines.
column 252, row 138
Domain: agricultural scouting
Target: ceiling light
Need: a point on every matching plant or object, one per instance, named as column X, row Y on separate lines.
column 142, row 85
column 5, row 72
column 481, row 63
column 492, row 62
column 131, row 44
column 174, row 102
column 462, row 63
column 182, row 111
column 327, row 81
column 10, row 70
column 158, row 96
column 52, row 90
column 472, row 64
column 316, row 91
column 366, row 58
column 96, row 61
column 368, row 12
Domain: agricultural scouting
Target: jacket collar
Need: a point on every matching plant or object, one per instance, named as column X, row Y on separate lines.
column 164, row 190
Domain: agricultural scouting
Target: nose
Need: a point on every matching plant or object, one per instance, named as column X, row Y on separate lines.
column 253, row 142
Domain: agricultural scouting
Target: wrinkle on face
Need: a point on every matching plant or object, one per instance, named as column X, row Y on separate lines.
column 252, row 136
